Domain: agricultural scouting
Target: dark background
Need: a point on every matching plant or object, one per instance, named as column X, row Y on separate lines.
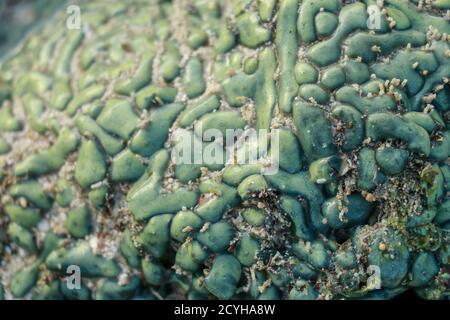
column 17, row 17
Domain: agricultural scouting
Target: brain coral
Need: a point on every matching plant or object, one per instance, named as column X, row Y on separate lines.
column 358, row 91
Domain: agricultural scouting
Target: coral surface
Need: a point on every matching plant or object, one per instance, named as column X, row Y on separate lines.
column 358, row 91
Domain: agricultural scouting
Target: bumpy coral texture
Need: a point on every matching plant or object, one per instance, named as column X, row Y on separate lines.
column 360, row 208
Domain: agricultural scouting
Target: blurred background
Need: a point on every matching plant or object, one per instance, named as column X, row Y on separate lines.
column 17, row 17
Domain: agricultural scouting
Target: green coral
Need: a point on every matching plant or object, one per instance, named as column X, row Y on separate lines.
column 91, row 121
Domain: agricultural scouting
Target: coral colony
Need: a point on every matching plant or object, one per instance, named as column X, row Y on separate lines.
column 347, row 103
